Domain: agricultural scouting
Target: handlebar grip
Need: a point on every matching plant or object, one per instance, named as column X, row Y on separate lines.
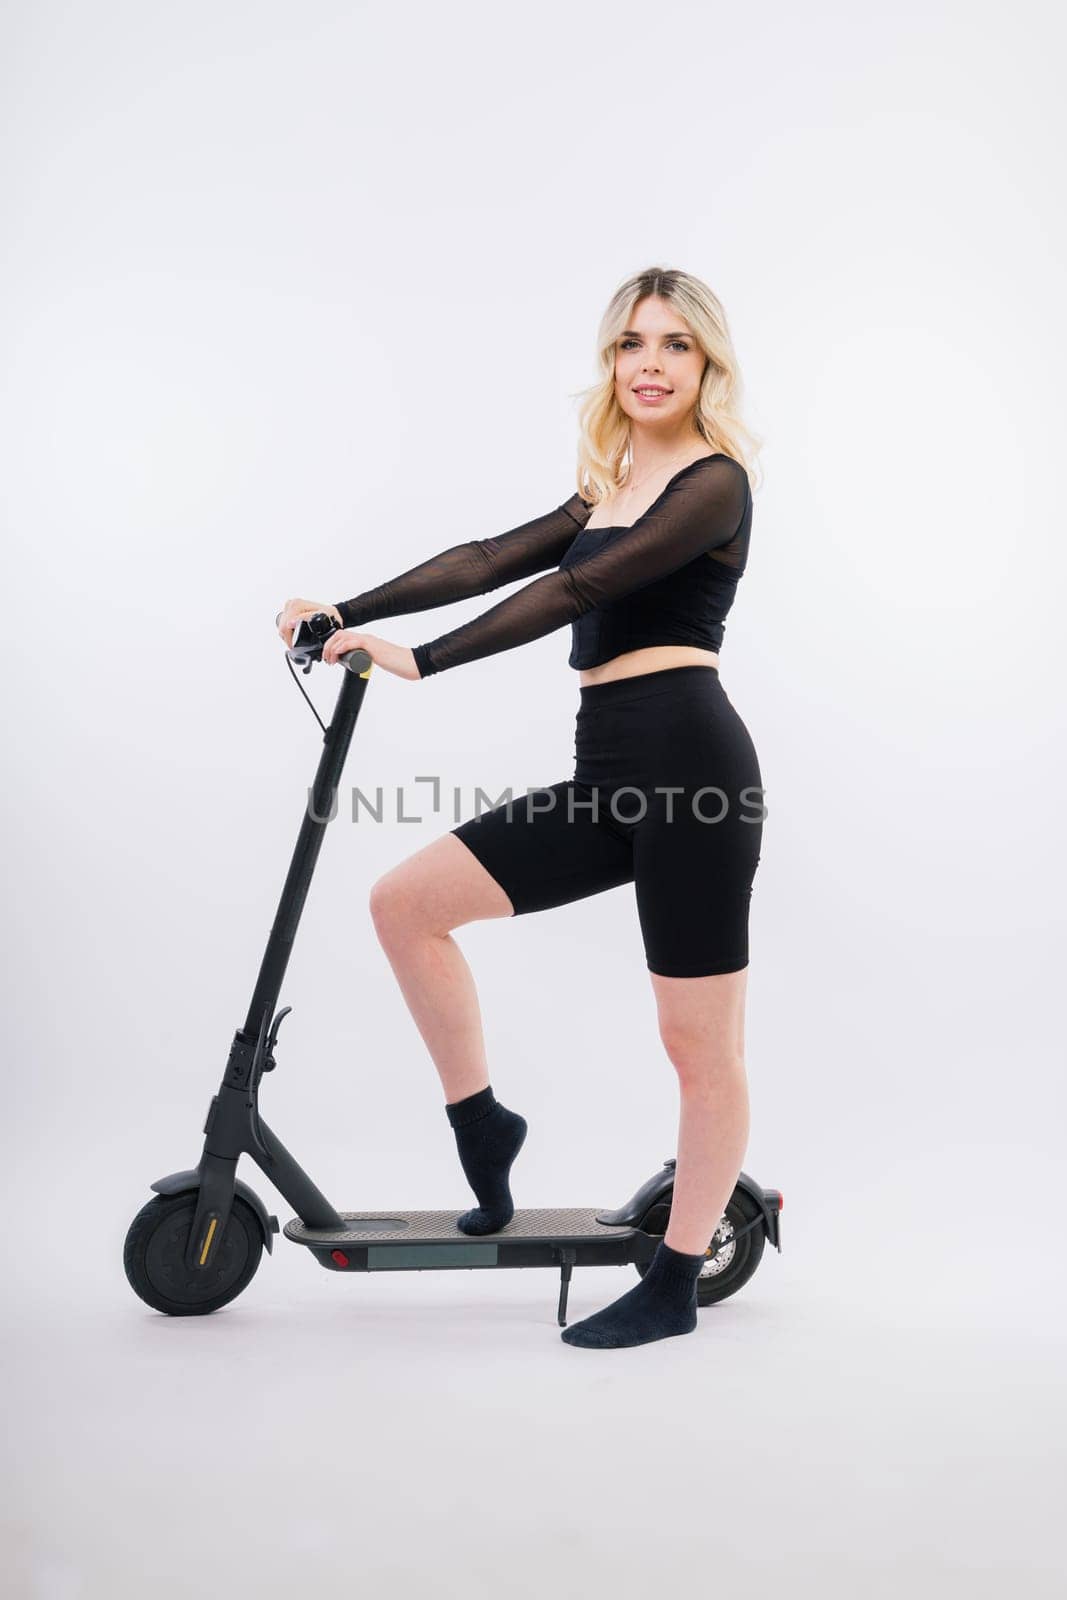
column 356, row 660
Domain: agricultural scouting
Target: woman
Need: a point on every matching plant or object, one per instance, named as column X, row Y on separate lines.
column 667, row 791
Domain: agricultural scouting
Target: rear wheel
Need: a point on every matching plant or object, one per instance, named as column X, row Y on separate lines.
column 154, row 1256
column 730, row 1265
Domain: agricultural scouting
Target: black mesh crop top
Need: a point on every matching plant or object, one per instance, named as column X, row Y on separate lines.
column 668, row 578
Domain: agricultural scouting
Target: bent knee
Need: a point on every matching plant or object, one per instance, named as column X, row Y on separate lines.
column 412, row 900
column 393, row 908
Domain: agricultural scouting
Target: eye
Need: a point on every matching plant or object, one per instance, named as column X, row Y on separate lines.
column 678, row 343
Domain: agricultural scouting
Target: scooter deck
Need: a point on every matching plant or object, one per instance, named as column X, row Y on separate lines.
column 420, row 1241
column 555, row 1225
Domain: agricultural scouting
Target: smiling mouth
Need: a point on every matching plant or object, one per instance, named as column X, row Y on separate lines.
column 644, row 390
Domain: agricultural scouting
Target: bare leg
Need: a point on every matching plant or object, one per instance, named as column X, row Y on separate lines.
column 702, row 1025
column 414, row 907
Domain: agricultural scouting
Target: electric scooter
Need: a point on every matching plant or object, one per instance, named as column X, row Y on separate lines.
column 197, row 1244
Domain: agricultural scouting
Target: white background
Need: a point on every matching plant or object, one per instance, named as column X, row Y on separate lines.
column 296, row 296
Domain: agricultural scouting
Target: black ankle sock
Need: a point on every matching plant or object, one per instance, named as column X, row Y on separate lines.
column 662, row 1304
column 489, row 1137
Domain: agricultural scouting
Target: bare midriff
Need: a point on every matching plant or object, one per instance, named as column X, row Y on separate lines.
column 653, row 658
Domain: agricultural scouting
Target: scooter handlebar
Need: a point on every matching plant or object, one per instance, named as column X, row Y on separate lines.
column 310, row 635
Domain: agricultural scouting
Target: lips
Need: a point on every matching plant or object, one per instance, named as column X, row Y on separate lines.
column 651, row 388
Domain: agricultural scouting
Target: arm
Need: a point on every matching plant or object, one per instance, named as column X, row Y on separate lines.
column 700, row 510
column 472, row 568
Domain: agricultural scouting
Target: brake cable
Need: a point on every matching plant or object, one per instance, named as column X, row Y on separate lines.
column 309, row 636
column 304, row 692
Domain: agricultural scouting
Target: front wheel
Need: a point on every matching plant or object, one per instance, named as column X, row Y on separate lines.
column 733, row 1262
column 154, row 1256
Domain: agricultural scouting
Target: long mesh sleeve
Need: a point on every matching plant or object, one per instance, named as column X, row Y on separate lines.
column 700, row 510
column 473, row 568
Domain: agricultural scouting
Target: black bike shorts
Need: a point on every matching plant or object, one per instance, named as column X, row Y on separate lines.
column 667, row 794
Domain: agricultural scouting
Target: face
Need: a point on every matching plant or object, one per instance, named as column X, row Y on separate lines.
column 657, row 350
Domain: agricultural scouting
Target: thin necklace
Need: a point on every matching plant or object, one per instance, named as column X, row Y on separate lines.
column 630, row 487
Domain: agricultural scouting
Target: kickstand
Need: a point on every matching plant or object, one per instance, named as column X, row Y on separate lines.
column 567, row 1259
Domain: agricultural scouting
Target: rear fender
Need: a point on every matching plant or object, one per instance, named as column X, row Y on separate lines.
column 659, row 1186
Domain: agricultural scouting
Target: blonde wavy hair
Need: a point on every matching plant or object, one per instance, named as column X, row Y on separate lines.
column 604, row 428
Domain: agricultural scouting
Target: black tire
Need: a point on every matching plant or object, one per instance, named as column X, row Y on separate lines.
column 155, row 1250
column 734, row 1263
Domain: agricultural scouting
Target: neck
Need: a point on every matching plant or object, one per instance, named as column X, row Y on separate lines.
column 650, row 453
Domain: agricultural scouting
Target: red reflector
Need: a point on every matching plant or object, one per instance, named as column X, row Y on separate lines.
column 340, row 1257
column 781, row 1201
